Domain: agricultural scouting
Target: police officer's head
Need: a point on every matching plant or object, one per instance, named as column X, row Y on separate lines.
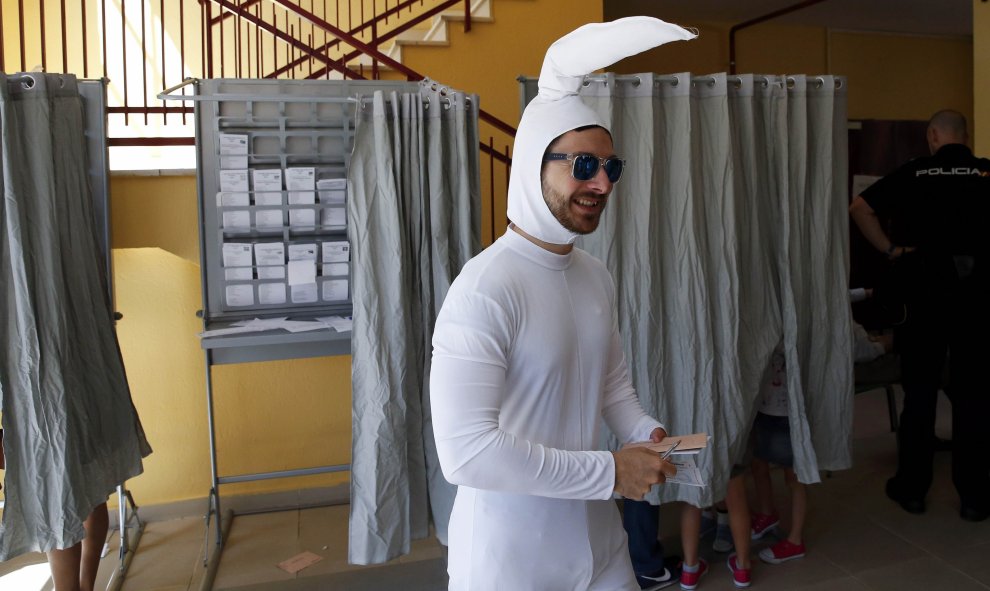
column 946, row 127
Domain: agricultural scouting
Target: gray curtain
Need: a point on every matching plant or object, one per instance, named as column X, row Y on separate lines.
column 414, row 210
column 71, row 434
column 728, row 234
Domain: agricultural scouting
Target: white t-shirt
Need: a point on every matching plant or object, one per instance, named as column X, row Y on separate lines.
column 527, row 362
column 773, row 397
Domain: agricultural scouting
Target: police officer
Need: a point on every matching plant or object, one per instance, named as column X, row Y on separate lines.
column 936, row 209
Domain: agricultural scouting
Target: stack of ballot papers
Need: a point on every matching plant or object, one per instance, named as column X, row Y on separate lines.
column 337, row 323
column 683, row 457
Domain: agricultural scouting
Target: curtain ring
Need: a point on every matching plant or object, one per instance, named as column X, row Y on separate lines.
column 737, row 82
column 637, row 82
column 819, row 82
column 426, row 103
column 838, row 83
column 28, row 82
column 766, row 82
column 790, row 82
column 586, row 82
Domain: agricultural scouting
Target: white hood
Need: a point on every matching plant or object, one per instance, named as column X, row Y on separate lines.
column 558, row 109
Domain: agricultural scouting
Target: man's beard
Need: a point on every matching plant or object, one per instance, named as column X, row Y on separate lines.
column 559, row 207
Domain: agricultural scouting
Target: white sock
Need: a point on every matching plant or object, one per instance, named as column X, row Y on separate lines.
column 691, row 569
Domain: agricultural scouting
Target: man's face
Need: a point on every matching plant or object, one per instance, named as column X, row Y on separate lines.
column 578, row 205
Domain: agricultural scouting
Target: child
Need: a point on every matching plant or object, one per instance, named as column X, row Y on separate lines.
column 693, row 568
column 772, row 444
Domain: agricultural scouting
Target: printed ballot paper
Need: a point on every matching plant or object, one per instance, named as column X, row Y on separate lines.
column 301, row 185
column 683, row 458
column 233, row 151
column 302, row 273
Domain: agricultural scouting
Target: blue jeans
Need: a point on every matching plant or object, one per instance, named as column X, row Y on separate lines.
column 642, row 523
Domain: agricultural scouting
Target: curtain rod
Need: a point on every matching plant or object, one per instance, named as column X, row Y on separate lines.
column 734, row 79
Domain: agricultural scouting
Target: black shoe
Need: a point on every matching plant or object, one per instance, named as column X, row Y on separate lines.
column 661, row 580
column 915, row 506
column 973, row 513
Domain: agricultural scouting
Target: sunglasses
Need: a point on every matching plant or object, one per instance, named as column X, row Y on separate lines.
column 584, row 167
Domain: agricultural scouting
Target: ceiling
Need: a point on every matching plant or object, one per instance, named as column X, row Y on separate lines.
column 919, row 17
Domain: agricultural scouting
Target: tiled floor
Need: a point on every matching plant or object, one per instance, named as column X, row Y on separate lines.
column 857, row 539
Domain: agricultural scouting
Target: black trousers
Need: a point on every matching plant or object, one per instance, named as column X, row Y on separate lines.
column 952, row 325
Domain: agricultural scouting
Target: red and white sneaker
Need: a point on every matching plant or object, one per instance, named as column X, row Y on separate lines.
column 741, row 577
column 782, row 551
column 763, row 524
column 690, row 581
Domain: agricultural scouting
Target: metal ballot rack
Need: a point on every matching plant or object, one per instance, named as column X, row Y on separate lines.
column 272, row 160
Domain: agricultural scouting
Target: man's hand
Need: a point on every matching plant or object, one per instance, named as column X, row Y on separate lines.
column 637, row 469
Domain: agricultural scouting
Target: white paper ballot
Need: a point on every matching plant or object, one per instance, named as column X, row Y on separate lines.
column 237, row 261
column 302, row 218
column 234, row 180
column 336, row 269
column 300, row 183
column 233, row 199
column 302, row 273
column 338, row 323
column 335, row 290
column 302, row 265
column 332, row 190
column 267, row 219
column 303, row 294
column 240, row 295
column 302, row 252
column 267, row 179
column 687, row 470
column 233, row 162
column 233, row 151
column 336, row 252
column 237, row 219
column 271, row 293
column 270, row 259
column 233, row 143
column 300, row 178
column 333, row 216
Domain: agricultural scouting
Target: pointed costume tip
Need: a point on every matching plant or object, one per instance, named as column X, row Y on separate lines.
column 599, row 45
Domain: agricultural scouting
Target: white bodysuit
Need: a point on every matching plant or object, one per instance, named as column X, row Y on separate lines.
column 527, row 361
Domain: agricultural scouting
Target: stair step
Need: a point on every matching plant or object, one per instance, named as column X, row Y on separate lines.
column 433, row 36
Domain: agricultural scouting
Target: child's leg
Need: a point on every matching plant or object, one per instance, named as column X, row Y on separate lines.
column 799, row 506
column 92, row 546
column 763, row 485
column 690, row 533
column 723, row 535
column 739, row 521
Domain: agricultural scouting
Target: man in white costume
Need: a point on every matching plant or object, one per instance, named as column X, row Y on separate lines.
column 527, row 357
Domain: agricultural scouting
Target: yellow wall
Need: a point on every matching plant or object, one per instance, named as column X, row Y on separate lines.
column 890, row 76
column 981, row 77
column 270, row 416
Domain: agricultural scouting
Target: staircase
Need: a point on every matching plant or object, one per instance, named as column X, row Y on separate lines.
column 145, row 46
column 432, row 32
